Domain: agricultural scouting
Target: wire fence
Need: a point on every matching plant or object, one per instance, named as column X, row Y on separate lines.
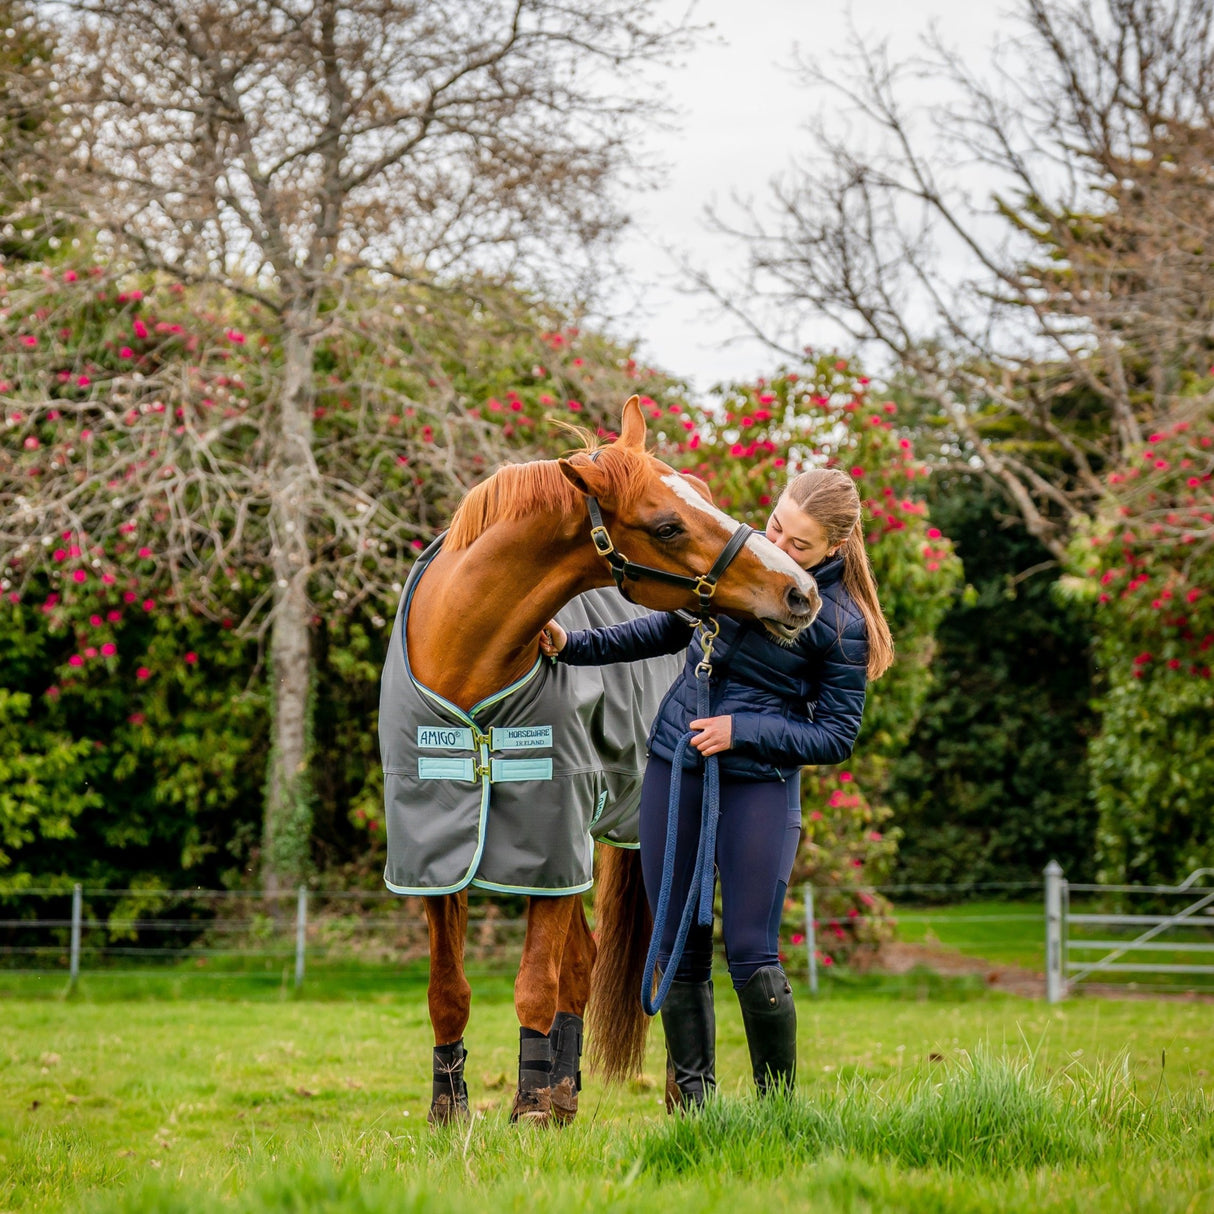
column 997, row 933
column 57, row 931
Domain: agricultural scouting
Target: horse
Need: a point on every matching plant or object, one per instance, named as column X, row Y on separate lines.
column 521, row 546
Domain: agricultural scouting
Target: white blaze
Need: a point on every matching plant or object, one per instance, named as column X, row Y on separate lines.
column 771, row 556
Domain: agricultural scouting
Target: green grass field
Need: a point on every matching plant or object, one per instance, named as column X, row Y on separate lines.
column 260, row 1102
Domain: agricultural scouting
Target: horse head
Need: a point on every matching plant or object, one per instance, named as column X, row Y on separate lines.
column 671, row 544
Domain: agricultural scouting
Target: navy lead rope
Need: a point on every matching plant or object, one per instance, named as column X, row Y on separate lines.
column 700, row 889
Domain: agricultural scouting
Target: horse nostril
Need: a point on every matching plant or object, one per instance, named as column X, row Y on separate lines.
column 798, row 604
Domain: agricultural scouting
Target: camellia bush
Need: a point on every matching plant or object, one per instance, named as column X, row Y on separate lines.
column 746, row 446
column 1146, row 568
column 135, row 551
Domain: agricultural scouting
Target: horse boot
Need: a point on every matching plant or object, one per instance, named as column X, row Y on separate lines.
column 690, row 1024
column 448, row 1093
column 770, row 1017
column 533, row 1100
column 565, row 1036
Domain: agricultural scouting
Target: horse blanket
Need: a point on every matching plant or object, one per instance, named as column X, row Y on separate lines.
column 509, row 795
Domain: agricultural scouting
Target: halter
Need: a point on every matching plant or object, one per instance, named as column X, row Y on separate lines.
column 704, row 585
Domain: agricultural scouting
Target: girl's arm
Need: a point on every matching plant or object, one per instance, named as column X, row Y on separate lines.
column 645, row 637
column 827, row 733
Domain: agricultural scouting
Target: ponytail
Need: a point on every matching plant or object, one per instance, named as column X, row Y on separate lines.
column 859, row 582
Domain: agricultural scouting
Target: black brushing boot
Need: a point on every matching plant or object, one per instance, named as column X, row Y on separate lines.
column 448, row 1093
column 690, row 1024
column 770, row 1017
column 533, row 1100
column 566, row 1038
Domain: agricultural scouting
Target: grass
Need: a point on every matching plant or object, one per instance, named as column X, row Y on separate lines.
column 278, row 1103
column 1010, row 933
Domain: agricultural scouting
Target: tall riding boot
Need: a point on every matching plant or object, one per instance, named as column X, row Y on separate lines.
column 690, row 1024
column 770, row 1017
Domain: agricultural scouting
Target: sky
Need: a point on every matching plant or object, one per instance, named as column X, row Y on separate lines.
column 741, row 117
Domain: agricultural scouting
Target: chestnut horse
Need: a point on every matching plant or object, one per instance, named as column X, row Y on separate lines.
column 520, row 546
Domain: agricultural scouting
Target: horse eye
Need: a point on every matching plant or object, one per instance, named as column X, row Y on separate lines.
column 668, row 531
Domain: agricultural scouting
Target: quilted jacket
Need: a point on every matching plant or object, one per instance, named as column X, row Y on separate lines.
column 791, row 706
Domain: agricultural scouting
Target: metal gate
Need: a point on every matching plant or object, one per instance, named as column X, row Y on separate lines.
column 1128, row 943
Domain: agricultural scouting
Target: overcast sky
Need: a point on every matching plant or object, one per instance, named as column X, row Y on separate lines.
column 741, row 120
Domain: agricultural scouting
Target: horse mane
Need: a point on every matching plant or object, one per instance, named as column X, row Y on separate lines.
column 517, row 491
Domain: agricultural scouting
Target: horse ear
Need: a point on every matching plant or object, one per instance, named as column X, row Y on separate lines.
column 632, row 424
column 583, row 474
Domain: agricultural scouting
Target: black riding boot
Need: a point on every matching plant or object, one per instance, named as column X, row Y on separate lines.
column 690, row 1024
column 770, row 1017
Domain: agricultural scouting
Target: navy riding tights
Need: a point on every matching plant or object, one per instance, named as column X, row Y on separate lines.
column 757, row 837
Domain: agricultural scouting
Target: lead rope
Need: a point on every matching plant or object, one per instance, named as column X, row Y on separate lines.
column 700, row 890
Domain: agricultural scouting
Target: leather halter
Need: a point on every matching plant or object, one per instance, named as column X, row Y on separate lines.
column 704, row 584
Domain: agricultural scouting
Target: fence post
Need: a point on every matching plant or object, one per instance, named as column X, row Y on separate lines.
column 301, row 933
column 811, row 946
column 1055, row 980
column 77, row 915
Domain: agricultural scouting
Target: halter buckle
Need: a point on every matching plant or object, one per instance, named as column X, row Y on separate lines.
column 704, row 586
column 602, row 541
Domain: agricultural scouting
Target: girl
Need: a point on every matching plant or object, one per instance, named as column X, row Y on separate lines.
column 774, row 709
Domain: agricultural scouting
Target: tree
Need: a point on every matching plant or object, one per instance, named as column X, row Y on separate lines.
column 994, row 783
column 28, row 115
column 1144, row 568
column 1035, row 250
column 323, row 163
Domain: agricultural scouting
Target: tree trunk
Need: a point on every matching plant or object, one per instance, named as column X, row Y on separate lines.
column 288, row 809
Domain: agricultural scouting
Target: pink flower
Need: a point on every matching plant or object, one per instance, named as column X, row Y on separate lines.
column 236, row 336
column 827, row 959
column 145, row 552
column 136, row 718
column 69, row 276
column 857, row 473
column 75, row 660
column 797, row 938
column 934, row 533
column 80, row 576
column 32, row 443
column 126, row 352
column 149, row 604
column 143, row 673
column 109, row 649
column 845, row 776
column 29, row 340
column 191, row 658
column 574, row 406
column 140, row 329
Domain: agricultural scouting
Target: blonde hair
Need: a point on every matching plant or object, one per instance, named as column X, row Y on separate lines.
column 829, row 497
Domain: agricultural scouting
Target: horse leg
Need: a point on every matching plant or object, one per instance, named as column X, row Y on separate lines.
column 450, row 999
column 566, row 1033
column 535, row 1002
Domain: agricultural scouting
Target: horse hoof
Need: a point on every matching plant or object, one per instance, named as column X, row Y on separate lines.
column 445, row 1111
column 534, row 1107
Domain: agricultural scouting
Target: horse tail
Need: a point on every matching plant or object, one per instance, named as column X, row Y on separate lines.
column 616, row 1024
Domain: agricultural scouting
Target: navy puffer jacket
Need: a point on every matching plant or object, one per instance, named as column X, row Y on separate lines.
column 791, row 706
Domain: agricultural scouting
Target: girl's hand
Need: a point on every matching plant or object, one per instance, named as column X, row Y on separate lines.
column 552, row 639
column 716, row 735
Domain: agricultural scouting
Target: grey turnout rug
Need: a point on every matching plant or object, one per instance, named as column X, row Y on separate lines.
column 510, row 794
